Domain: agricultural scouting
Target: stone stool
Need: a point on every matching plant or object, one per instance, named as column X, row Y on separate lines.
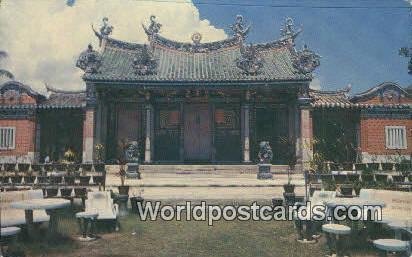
column 7, row 233
column 122, row 202
column 391, row 245
column 334, row 232
column 304, row 228
column 87, row 220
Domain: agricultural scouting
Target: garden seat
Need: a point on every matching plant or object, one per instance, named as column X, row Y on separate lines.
column 391, row 245
column 336, row 229
column 9, row 231
column 6, row 234
column 334, row 237
column 103, row 204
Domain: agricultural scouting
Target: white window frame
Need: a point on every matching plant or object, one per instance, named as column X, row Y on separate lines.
column 7, row 134
column 395, row 137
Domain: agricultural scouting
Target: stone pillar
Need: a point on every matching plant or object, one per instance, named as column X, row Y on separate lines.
column 149, row 131
column 246, row 132
column 88, row 135
column 89, row 123
column 306, row 137
column 245, row 127
column 37, row 141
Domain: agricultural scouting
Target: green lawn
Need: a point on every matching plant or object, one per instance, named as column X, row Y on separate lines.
column 178, row 238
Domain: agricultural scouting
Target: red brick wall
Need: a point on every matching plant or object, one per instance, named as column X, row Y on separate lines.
column 25, row 136
column 373, row 135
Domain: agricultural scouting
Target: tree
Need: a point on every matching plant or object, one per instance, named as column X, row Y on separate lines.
column 3, row 72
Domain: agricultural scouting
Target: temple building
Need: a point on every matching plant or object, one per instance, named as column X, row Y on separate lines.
column 203, row 103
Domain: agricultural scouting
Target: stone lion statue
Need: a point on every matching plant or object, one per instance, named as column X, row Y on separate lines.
column 265, row 152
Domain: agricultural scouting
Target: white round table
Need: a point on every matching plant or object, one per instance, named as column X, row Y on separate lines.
column 348, row 202
column 399, row 225
column 51, row 205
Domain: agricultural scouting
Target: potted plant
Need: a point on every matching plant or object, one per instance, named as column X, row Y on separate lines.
column 291, row 157
column 99, row 150
column 329, row 185
column 346, row 189
column 69, row 156
column 123, row 189
column 135, row 200
column 357, row 186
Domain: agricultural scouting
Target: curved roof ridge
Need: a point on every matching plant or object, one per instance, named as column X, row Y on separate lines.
column 378, row 87
column 344, row 91
column 27, row 88
column 62, row 91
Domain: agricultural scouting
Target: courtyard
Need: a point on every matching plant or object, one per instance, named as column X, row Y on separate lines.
column 182, row 238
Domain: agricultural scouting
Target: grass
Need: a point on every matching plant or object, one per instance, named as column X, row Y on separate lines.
column 177, row 238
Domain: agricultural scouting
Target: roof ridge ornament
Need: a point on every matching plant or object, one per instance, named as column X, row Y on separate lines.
column 288, row 30
column 239, row 28
column 250, row 61
column 305, row 60
column 105, row 30
column 145, row 63
column 407, row 52
column 154, row 27
column 89, row 60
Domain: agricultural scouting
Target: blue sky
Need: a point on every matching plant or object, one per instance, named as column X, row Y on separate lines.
column 358, row 46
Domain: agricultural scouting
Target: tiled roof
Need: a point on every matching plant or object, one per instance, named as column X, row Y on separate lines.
column 183, row 65
column 341, row 99
column 330, row 99
column 73, row 100
column 63, row 99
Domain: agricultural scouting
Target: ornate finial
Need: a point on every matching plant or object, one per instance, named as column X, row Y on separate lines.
column 154, row 27
column 306, row 60
column 289, row 29
column 407, row 52
column 106, row 29
column 145, row 64
column 196, row 38
column 89, row 60
column 249, row 61
column 239, row 28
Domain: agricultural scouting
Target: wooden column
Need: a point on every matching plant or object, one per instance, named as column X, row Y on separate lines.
column 149, row 130
column 245, row 127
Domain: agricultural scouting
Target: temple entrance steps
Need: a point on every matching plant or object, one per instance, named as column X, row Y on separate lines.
column 219, row 169
column 177, row 183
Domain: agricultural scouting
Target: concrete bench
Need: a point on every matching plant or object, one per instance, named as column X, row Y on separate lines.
column 14, row 217
column 398, row 205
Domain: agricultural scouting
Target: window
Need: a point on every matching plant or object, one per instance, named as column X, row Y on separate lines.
column 7, row 138
column 395, row 137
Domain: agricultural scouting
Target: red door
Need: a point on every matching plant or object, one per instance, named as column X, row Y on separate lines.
column 197, row 133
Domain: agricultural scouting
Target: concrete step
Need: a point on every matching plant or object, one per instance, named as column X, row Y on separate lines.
column 201, row 169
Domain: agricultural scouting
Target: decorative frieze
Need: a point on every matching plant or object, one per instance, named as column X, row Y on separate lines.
column 250, row 61
column 145, row 63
